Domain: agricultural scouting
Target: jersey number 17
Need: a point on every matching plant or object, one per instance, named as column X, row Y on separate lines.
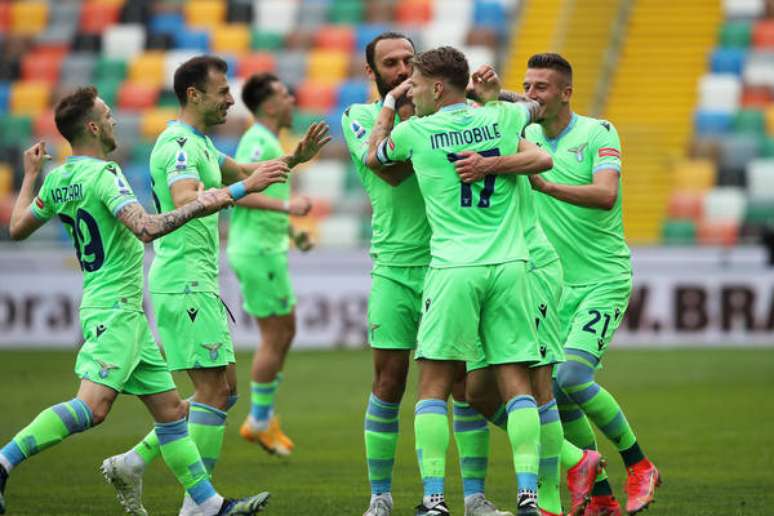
column 466, row 190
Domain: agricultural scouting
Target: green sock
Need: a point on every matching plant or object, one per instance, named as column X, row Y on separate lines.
column 149, row 448
column 524, row 435
column 471, row 434
column 50, row 427
column 182, row 457
column 551, row 445
column 431, row 429
column 207, row 425
column 570, row 455
column 500, row 418
column 381, row 441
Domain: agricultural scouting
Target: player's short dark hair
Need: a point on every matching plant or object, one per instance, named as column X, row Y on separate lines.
column 194, row 72
column 257, row 89
column 73, row 110
column 371, row 47
column 446, row 63
column 552, row 61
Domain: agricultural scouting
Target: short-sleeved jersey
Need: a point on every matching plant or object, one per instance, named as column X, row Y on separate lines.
column 590, row 242
column 259, row 231
column 541, row 252
column 472, row 224
column 187, row 259
column 400, row 232
column 87, row 194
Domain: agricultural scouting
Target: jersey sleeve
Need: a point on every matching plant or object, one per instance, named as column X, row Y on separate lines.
column 113, row 189
column 179, row 160
column 42, row 205
column 605, row 146
column 517, row 115
column 397, row 146
column 356, row 131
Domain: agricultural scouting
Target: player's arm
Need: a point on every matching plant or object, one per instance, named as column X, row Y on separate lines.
column 24, row 222
column 148, row 227
column 530, row 159
column 377, row 158
column 298, row 206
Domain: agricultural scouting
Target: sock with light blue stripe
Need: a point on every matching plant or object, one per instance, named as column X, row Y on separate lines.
column 431, row 429
column 471, row 433
column 50, row 427
column 207, row 426
column 551, row 441
column 524, row 435
column 262, row 402
column 381, row 441
column 500, row 418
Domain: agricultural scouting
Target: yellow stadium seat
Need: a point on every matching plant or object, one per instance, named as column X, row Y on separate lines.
column 327, row 66
column 204, row 13
column 154, row 121
column 696, row 175
column 233, row 38
column 6, row 179
column 29, row 97
column 770, row 120
column 29, row 17
column 148, row 68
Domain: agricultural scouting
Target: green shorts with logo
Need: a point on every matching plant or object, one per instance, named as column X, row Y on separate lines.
column 590, row 314
column 478, row 311
column 545, row 285
column 193, row 329
column 394, row 306
column 264, row 280
column 119, row 352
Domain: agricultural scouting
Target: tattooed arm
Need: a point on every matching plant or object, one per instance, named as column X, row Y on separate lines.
column 385, row 121
column 148, row 227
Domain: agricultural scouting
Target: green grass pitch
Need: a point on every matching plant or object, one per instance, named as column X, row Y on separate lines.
column 706, row 417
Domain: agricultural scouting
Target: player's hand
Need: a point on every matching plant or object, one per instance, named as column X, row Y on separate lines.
column 214, row 199
column 400, row 90
column 299, row 206
column 34, row 158
column 303, row 241
column 538, row 183
column 267, row 173
column 472, row 166
column 485, row 83
column 317, row 135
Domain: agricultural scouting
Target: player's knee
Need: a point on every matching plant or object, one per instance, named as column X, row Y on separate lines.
column 389, row 387
column 99, row 413
column 571, row 374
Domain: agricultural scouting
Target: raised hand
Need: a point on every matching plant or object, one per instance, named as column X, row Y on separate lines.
column 472, row 166
column 214, row 199
column 34, row 158
column 299, row 206
column 267, row 173
column 485, row 83
column 317, row 135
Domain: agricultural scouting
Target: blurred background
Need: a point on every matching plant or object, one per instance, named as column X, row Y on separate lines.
column 689, row 85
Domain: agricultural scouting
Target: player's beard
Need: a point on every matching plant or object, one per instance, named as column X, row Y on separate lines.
column 383, row 87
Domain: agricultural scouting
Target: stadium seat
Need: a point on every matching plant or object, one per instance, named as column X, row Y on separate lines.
column 240, row 12
column 685, row 205
column 205, row 14
column 478, row 55
column 106, row 68
column 756, row 97
column 718, row 233
column 303, row 119
column 128, row 130
column 324, row 180
column 769, row 117
column 694, row 175
column 190, row 39
column 744, row 8
column 335, row 37
column 5, row 95
column 256, row 62
column 759, row 212
column 312, row 13
column 760, row 179
column 349, row 12
column 492, row 14
column 441, row 33
column 763, row 34
column 339, row 231
column 29, row 97
column 759, row 69
column 735, row 34
column 172, row 60
column 314, row 96
column 678, row 232
column 5, row 16
column 87, row 42
column 108, row 90
column 44, row 126
column 136, row 12
column 137, row 96
column 728, row 60
column 712, row 122
column 154, row 121
column 291, row 66
column 724, row 204
column 327, row 66
column 6, row 182
column 41, row 66
column 97, row 16
column 354, row 91
column 719, row 92
column 77, row 69
column 148, row 68
column 276, row 15
column 29, row 18
column 266, row 40
column 16, row 129
column 749, row 121
column 413, row 12
column 159, row 41
column 123, row 41
column 167, row 22
column 142, row 149
column 736, row 150
column 57, row 35
column 766, row 147
column 365, row 33
column 232, row 38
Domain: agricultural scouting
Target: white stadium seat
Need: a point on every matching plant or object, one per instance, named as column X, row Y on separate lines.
column 719, row 92
column 744, row 8
column 760, row 179
column 725, row 204
column 339, row 231
column 123, row 41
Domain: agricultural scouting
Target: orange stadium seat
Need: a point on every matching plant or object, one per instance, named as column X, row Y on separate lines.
column 29, row 17
column 5, row 16
column 763, row 34
column 694, row 175
column 413, row 12
column 233, row 38
column 756, row 97
column 256, row 62
column 136, row 96
column 6, row 179
column 44, row 125
column 42, row 66
column 97, row 16
column 204, row 13
column 29, row 97
column 336, row 37
column 313, row 96
column 148, row 68
column 327, row 66
column 686, row 205
column 718, row 233
column 154, row 121
column 769, row 114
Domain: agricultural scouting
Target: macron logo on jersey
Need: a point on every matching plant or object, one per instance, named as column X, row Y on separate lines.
column 609, row 152
column 358, row 129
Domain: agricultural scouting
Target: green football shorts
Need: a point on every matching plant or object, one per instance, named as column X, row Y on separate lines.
column 590, row 314
column 394, row 306
column 265, row 283
column 478, row 311
column 193, row 329
column 119, row 352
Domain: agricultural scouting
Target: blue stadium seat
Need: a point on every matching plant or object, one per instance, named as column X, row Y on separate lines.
column 365, row 33
column 192, row 40
column 333, row 118
column 712, row 122
column 170, row 23
column 5, row 93
column 233, row 64
column 490, row 13
column 226, row 144
column 353, row 91
column 728, row 60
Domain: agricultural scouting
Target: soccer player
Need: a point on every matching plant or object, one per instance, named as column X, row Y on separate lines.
column 475, row 296
column 93, row 199
column 579, row 207
column 401, row 253
column 258, row 254
column 183, row 278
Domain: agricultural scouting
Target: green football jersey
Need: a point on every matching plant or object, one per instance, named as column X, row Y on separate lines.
column 87, row 193
column 541, row 252
column 401, row 234
column 186, row 259
column 259, row 231
column 590, row 242
column 472, row 224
